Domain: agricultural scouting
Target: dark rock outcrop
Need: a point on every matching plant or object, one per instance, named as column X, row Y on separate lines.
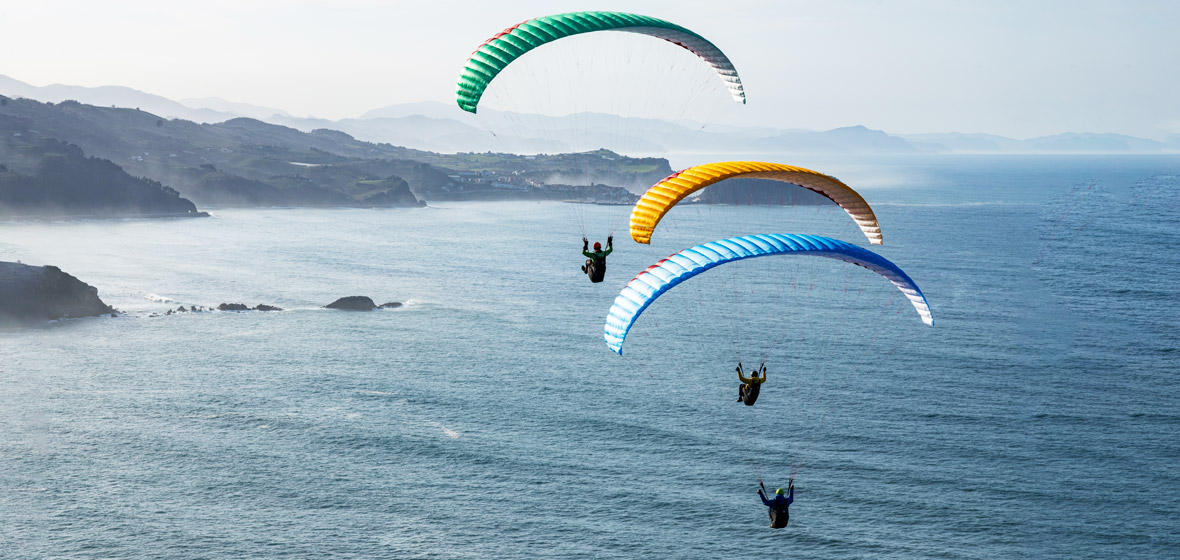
column 229, row 307
column 353, row 303
column 44, row 293
column 391, row 305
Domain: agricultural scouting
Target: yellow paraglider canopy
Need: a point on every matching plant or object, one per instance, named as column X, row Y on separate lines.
column 662, row 196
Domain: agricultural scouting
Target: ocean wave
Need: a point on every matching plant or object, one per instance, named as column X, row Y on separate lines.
column 405, row 304
column 159, row 298
column 452, row 434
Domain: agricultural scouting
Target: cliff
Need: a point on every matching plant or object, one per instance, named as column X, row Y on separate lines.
column 42, row 293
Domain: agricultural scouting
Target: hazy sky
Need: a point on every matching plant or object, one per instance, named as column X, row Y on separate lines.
column 1016, row 68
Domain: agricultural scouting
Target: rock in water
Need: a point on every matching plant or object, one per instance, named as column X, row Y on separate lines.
column 391, row 305
column 353, row 303
column 233, row 307
column 265, row 307
column 44, row 293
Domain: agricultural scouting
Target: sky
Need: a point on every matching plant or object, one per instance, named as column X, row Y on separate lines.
column 1014, row 68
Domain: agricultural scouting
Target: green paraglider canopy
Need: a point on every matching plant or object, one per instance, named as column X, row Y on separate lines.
column 501, row 50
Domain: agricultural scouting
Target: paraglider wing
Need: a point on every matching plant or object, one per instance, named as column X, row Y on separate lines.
column 501, row 50
column 641, row 291
column 662, row 196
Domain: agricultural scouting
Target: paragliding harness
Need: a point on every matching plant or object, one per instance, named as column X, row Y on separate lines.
column 748, row 392
column 595, row 266
column 779, row 516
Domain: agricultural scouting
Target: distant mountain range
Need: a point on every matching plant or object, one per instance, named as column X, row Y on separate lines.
column 75, row 159
column 442, row 127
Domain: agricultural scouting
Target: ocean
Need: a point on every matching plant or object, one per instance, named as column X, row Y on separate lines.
column 486, row 418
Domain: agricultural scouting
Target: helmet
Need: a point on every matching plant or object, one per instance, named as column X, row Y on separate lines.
column 779, row 491
column 597, row 245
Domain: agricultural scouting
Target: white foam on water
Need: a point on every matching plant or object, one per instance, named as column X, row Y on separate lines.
column 452, row 434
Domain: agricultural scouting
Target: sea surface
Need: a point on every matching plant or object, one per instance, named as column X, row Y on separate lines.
column 1038, row 418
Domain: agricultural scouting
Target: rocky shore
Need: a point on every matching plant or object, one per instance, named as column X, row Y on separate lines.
column 36, row 294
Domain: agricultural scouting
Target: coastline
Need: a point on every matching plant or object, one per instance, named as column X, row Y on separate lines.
column 86, row 217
